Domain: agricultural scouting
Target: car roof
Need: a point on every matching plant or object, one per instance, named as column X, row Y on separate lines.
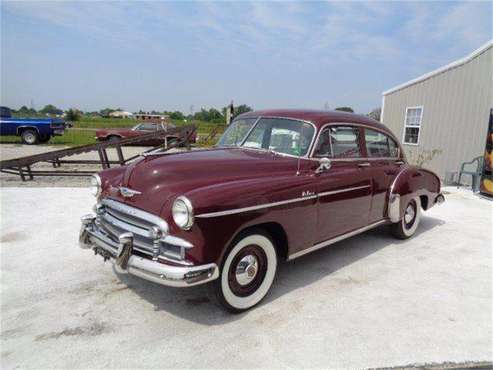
column 318, row 117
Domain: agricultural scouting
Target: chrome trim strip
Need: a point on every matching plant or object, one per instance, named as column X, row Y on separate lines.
column 254, row 208
column 335, row 240
column 275, row 204
column 325, row 193
column 135, row 212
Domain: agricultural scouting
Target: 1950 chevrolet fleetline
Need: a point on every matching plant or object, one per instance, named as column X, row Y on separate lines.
column 279, row 184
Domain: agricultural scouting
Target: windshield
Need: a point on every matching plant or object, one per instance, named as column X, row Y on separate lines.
column 277, row 134
column 236, row 132
column 281, row 135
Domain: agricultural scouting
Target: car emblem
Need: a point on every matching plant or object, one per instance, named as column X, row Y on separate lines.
column 128, row 193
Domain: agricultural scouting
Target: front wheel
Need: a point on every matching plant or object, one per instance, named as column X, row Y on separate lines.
column 408, row 225
column 30, row 137
column 247, row 273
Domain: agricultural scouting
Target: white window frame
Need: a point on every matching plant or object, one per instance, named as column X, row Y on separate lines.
column 411, row 126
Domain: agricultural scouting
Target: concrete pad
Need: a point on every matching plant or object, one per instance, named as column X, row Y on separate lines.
column 369, row 301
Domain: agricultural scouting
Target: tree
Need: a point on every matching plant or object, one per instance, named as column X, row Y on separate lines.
column 242, row 109
column 106, row 111
column 177, row 115
column 51, row 109
column 345, row 109
column 375, row 114
column 73, row 115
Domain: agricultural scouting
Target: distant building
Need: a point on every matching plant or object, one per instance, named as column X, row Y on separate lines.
column 156, row 118
column 447, row 109
column 120, row 114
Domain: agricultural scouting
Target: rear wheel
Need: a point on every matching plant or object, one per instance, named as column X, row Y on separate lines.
column 247, row 273
column 408, row 225
column 30, row 137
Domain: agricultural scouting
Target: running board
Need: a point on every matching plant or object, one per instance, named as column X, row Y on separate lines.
column 335, row 240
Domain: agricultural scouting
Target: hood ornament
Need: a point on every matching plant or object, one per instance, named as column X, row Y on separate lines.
column 128, row 193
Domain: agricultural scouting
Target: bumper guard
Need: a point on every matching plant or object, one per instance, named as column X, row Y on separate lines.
column 120, row 253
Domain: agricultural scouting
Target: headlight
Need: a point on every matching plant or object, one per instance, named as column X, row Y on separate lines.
column 183, row 213
column 95, row 185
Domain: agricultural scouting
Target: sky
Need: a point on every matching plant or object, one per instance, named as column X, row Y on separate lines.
column 188, row 55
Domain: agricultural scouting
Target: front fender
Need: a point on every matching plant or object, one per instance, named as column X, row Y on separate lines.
column 224, row 210
column 412, row 182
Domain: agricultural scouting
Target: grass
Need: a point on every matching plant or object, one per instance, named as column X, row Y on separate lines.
column 82, row 137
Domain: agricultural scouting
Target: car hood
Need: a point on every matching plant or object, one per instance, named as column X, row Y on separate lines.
column 159, row 178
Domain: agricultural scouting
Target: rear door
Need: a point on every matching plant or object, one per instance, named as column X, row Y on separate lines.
column 344, row 190
column 383, row 155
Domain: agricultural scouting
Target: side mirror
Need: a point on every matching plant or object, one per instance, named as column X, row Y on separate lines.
column 325, row 164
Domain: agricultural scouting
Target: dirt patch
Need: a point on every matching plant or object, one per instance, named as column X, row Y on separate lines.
column 92, row 330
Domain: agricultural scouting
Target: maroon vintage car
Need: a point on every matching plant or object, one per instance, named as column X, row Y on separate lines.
column 279, row 184
column 139, row 129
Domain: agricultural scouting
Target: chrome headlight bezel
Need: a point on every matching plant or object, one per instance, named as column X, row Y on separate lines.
column 95, row 186
column 182, row 213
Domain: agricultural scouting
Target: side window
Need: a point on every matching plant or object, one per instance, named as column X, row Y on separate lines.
column 380, row 145
column 339, row 142
column 412, row 125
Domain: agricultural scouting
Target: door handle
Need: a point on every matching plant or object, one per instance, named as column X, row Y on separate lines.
column 399, row 162
column 364, row 164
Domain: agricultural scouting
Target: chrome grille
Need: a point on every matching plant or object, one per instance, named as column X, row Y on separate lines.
column 116, row 218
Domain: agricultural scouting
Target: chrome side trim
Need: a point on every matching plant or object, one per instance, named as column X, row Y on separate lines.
column 131, row 211
column 335, row 240
column 275, row 204
column 254, row 208
column 394, row 208
column 342, row 190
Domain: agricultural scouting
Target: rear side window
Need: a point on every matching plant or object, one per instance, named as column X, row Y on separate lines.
column 379, row 145
column 339, row 142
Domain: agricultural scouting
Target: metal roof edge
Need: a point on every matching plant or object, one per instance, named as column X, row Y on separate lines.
column 447, row 67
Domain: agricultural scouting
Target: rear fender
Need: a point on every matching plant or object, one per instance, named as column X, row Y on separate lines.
column 412, row 182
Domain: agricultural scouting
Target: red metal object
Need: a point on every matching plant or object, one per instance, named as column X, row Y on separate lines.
column 143, row 128
column 227, row 185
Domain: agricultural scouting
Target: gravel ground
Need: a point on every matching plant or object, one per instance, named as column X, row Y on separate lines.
column 10, row 151
column 366, row 302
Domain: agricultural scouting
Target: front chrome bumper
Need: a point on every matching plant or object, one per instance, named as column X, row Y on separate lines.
column 120, row 253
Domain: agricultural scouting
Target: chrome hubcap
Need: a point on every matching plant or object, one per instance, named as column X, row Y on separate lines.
column 246, row 270
column 29, row 138
column 409, row 215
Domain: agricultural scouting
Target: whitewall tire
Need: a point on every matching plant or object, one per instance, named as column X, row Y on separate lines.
column 409, row 223
column 247, row 272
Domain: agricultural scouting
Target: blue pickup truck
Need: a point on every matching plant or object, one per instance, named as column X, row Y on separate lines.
column 31, row 130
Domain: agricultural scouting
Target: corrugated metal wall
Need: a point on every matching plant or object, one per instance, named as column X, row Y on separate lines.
column 456, row 106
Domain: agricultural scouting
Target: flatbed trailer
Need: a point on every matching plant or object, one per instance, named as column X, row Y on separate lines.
column 22, row 166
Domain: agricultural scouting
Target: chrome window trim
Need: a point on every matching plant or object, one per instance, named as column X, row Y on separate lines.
column 335, row 240
column 275, row 204
column 325, row 125
column 310, row 147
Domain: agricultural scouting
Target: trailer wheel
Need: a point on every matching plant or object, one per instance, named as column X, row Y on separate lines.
column 30, row 137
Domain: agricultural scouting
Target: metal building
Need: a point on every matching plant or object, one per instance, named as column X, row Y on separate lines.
column 447, row 109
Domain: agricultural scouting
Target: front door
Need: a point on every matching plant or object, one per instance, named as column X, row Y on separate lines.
column 344, row 190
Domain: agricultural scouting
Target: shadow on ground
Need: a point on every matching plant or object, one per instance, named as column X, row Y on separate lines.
column 197, row 303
